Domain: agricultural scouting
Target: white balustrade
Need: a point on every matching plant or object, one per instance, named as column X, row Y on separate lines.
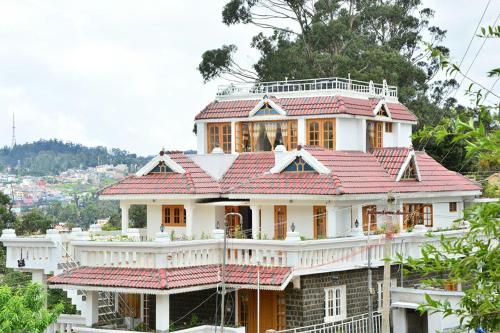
column 66, row 324
column 304, row 256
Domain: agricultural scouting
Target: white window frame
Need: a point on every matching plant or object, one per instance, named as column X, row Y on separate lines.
column 380, row 291
column 342, row 313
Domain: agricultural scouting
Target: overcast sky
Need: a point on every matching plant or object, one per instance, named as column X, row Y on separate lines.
column 123, row 73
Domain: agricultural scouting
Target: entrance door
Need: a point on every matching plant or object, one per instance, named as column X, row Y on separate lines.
column 272, row 310
column 319, row 218
column 233, row 222
column 279, row 222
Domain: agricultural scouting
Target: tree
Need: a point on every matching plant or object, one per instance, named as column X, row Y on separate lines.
column 24, row 310
column 7, row 218
column 137, row 215
column 34, row 222
column 473, row 259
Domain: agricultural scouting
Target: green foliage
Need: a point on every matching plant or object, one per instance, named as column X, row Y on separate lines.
column 7, row 218
column 24, row 310
column 57, row 297
column 472, row 260
column 34, row 222
column 138, row 216
column 109, row 227
column 50, row 157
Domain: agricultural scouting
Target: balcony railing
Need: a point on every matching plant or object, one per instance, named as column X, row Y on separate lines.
column 303, row 256
column 298, row 87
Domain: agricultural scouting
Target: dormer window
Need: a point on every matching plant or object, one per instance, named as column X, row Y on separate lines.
column 298, row 165
column 266, row 110
column 410, row 172
column 382, row 111
column 161, row 168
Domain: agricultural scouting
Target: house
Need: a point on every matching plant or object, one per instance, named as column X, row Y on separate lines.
column 302, row 176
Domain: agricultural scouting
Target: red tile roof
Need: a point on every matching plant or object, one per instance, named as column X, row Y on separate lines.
column 194, row 181
column 170, row 278
column 352, row 172
column 300, row 106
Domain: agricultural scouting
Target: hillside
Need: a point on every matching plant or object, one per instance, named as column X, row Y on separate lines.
column 50, row 157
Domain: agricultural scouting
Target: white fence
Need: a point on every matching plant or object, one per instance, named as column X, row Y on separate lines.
column 197, row 329
column 66, row 324
column 356, row 324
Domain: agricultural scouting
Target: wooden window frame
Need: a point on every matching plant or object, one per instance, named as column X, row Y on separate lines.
column 415, row 212
column 224, row 136
column 453, row 207
column 321, row 140
column 336, row 302
column 319, row 218
column 291, row 141
column 171, row 217
column 378, row 134
column 388, row 127
column 280, row 231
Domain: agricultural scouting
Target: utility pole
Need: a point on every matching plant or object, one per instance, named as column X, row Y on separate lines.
column 386, row 297
column 370, row 287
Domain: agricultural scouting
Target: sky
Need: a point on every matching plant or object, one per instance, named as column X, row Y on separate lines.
column 122, row 74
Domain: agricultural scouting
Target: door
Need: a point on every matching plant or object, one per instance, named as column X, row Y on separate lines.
column 319, row 220
column 369, row 217
column 272, row 310
column 279, row 222
column 233, row 222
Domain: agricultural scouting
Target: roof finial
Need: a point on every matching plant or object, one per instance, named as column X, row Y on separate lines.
column 162, row 151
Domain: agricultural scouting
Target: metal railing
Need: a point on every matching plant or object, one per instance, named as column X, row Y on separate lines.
column 355, row 324
column 297, row 86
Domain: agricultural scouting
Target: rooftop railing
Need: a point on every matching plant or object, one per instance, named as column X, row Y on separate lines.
column 297, row 87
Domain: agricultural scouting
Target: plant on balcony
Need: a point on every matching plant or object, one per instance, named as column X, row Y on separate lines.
column 23, row 310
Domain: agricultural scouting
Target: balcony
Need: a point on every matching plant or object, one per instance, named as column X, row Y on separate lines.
column 52, row 251
column 305, row 87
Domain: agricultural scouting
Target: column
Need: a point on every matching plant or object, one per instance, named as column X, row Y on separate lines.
column 255, row 221
column 92, row 303
column 125, row 219
column 357, row 215
column 331, row 223
column 301, row 131
column 189, row 220
column 201, row 138
column 399, row 320
column 363, row 135
column 233, row 137
column 162, row 313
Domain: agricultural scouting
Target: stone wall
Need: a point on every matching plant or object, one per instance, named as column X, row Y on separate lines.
column 306, row 306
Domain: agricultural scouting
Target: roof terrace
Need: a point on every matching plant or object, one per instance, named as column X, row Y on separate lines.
column 311, row 87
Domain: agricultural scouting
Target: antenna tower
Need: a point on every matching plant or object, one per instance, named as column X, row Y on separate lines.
column 13, row 131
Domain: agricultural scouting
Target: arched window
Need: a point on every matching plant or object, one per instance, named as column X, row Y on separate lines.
column 299, row 165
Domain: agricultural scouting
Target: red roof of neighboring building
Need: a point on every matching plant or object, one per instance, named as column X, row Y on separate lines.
column 352, row 172
column 194, row 181
column 170, row 278
column 302, row 106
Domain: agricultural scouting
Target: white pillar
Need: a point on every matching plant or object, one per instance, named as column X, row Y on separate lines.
column 125, row 219
column 162, row 313
column 255, row 222
column 233, row 137
column 301, row 131
column 201, row 136
column 189, row 220
column 399, row 320
column 331, row 222
column 92, row 303
column 363, row 134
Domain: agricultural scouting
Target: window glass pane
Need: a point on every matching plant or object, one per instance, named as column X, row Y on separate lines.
column 328, row 134
column 177, row 216
column 314, row 134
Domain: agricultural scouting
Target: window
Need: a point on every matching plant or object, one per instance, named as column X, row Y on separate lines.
column 382, row 111
column 453, row 207
column 335, row 303
column 219, row 135
column 380, row 291
column 161, row 168
column 417, row 214
column 321, row 133
column 265, row 135
column 266, row 110
column 319, row 219
column 174, row 216
column 298, row 165
column 410, row 171
column 375, row 134
column 233, row 221
column 370, row 217
column 279, row 222
column 388, row 127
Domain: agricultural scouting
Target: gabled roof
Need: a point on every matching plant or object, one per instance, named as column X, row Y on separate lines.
column 287, row 158
column 193, row 181
column 306, row 106
column 175, row 167
column 346, row 172
column 172, row 278
column 267, row 102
